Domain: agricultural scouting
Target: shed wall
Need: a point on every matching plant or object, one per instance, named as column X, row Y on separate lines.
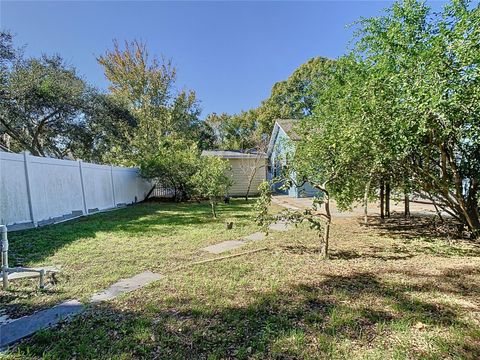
column 240, row 172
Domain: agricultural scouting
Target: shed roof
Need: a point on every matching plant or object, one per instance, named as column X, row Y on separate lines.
column 229, row 154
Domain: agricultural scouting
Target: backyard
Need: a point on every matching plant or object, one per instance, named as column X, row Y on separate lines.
column 127, row 132
column 389, row 291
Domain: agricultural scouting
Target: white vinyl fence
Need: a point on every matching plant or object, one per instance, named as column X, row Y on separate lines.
column 36, row 191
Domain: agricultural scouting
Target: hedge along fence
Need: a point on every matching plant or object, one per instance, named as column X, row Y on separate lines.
column 36, row 191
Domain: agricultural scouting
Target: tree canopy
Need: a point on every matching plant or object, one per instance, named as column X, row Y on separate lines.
column 146, row 85
column 49, row 110
column 402, row 108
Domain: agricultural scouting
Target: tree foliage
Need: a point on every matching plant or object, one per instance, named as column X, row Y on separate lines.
column 177, row 164
column 49, row 110
column 295, row 97
column 172, row 165
column 403, row 108
column 147, row 86
column 234, row 132
column 211, row 180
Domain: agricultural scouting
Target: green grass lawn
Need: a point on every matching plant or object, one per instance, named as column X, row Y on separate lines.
column 96, row 251
column 387, row 292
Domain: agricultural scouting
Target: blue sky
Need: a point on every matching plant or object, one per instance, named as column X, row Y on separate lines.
column 230, row 53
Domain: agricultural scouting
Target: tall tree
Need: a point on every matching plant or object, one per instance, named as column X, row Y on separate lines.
column 403, row 110
column 295, row 97
column 432, row 63
column 147, row 85
column 49, row 110
column 41, row 104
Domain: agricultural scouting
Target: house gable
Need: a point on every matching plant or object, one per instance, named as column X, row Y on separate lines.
column 282, row 131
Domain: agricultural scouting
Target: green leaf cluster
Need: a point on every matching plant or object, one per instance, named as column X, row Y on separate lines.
column 403, row 109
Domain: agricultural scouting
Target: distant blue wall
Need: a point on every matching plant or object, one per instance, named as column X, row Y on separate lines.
column 282, row 146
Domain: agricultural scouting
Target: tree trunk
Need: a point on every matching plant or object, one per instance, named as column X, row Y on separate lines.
column 469, row 206
column 326, row 235
column 250, row 180
column 324, row 244
column 439, row 213
column 365, row 201
column 472, row 208
column 382, row 200
column 387, row 199
column 473, row 222
column 407, row 206
column 214, row 213
column 150, row 192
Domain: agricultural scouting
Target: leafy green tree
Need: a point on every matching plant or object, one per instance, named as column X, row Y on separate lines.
column 211, row 181
column 234, row 132
column 147, row 86
column 172, row 165
column 430, row 64
column 49, row 110
column 295, row 97
column 41, row 107
column 109, row 128
column 401, row 112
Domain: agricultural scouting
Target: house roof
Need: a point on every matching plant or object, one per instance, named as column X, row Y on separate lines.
column 228, row 154
column 287, row 126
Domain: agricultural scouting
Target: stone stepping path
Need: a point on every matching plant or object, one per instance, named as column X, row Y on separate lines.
column 235, row 244
column 15, row 330
column 125, row 286
column 279, row 226
column 255, row 236
column 224, row 246
column 26, row 326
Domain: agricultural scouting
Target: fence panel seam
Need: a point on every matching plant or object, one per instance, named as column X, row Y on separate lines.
column 80, row 167
column 29, row 187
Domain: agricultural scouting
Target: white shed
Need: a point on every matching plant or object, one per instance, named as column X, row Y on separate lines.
column 246, row 169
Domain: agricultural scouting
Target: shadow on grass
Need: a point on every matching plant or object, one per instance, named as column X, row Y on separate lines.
column 350, row 254
column 436, row 238
column 305, row 320
column 13, row 304
column 34, row 245
column 343, row 254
